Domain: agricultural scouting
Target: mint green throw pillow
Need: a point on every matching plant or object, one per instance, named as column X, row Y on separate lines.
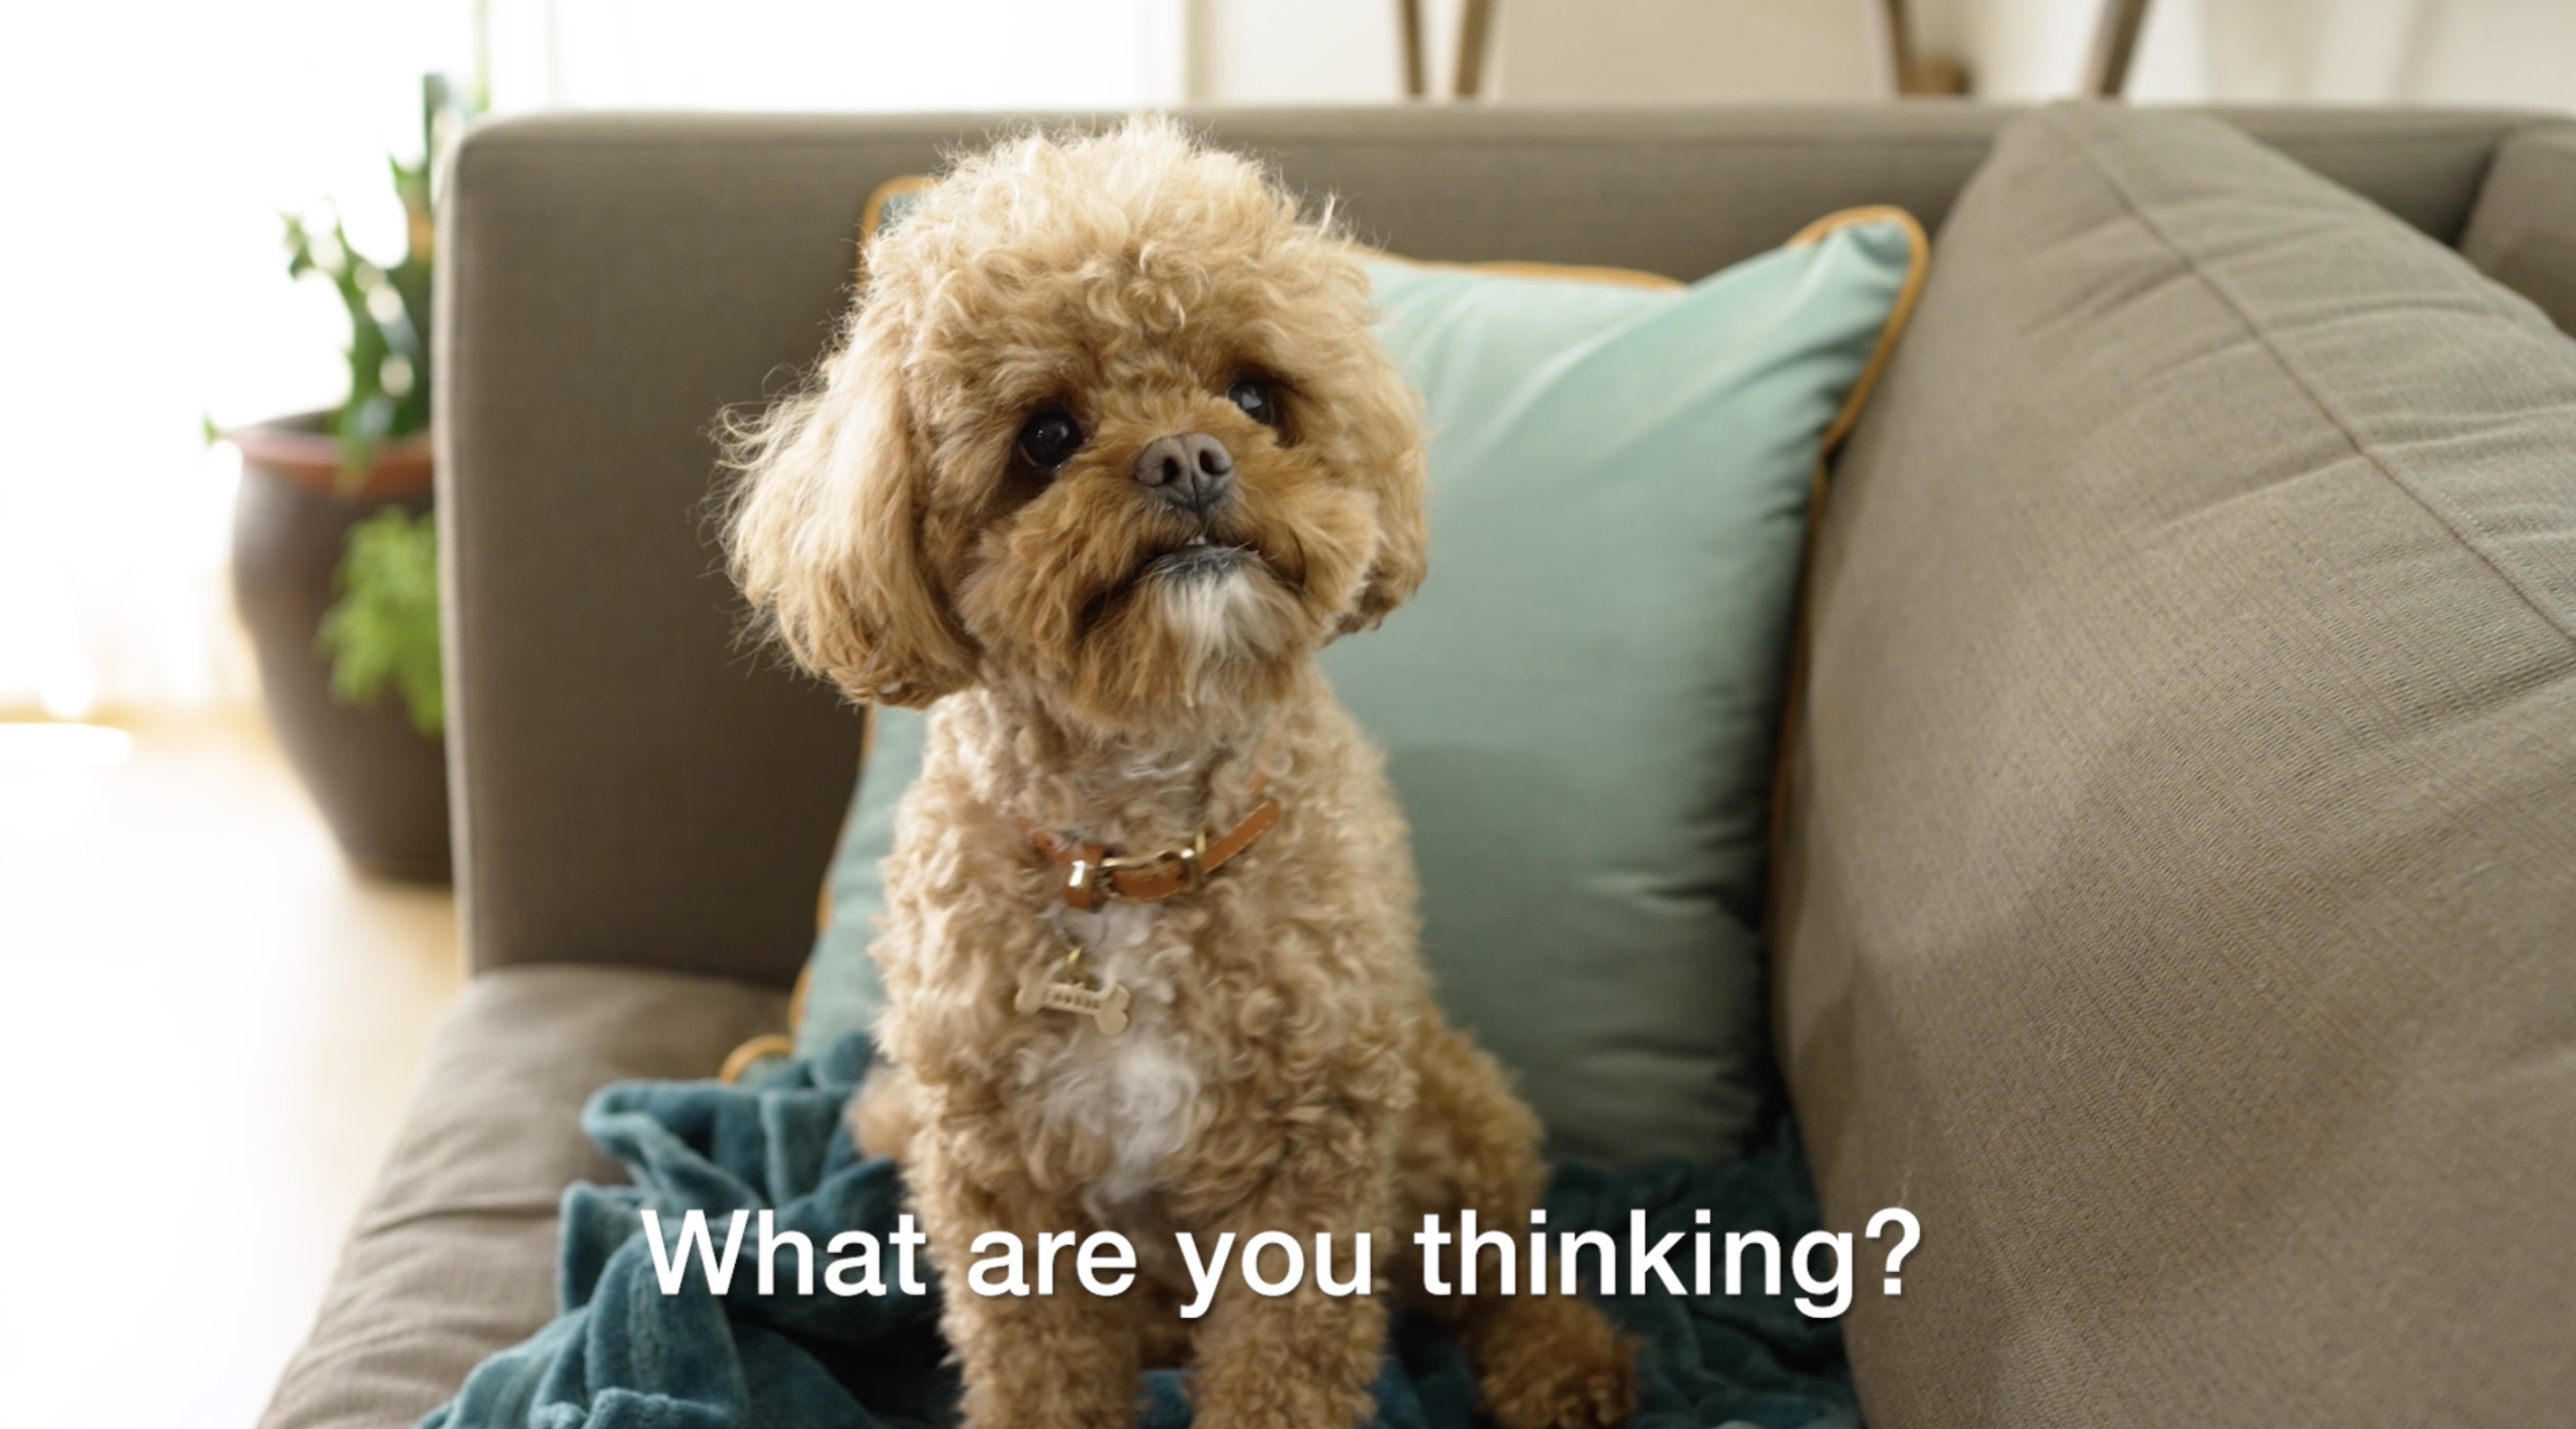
column 1580, row 710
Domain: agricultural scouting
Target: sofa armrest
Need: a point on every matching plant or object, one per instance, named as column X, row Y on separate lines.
column 2523, row 231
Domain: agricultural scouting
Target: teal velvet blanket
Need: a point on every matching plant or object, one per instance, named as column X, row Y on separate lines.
column 623, row 1355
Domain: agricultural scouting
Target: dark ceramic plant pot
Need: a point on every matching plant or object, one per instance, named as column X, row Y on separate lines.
column 381, row 784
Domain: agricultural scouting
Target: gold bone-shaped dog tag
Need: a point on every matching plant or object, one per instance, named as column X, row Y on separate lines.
column 1105, row 1006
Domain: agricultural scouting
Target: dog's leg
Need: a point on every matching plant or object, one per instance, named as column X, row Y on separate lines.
column 1061, row 1361
column 1543, row 1362
column 1302, row 1360
column 885, row 1112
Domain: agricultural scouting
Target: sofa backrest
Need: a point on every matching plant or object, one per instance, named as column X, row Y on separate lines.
column 631, row 785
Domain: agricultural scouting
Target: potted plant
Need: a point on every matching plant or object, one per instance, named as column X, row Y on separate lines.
column 334, row 554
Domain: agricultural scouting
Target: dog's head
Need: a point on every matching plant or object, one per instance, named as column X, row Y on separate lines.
column 1107, row 429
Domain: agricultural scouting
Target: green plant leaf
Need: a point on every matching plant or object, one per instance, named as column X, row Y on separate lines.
column 383, row 628
column 370, row 414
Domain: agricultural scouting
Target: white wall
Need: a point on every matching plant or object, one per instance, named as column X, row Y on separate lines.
column 825, row 55
column 892, row 54
column 1621, row 51
column 2014, row 49
column 2469, row 52
column 1307, row 52
column 1661, row 51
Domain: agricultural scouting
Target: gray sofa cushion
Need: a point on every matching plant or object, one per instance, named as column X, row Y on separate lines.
column 454, row 1255
column 2179, row 900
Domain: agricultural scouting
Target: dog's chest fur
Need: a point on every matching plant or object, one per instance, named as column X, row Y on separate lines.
column 1118, row 1117
column 1137, row 1091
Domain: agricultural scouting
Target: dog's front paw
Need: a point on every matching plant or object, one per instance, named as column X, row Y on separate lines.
column 1557, row 1365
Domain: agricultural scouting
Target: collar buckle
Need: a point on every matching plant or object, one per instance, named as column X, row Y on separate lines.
column 1089, row 884
column 1192, row 858
column 1093, row 877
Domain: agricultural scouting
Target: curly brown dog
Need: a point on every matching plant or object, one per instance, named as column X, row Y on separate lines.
column 1106, row 454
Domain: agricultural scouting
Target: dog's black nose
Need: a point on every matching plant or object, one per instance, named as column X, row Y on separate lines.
column 1191, row 470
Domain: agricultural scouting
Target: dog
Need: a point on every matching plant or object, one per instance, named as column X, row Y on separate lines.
column 1105, row 454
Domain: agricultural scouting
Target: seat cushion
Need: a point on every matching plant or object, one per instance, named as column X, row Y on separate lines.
column 453, row 1256
column 2179, row 912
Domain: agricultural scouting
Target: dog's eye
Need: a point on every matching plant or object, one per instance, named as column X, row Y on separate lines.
column 1051, row 438
column 1258, row 402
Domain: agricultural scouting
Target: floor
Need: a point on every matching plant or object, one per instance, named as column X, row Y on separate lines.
column 213, row 1026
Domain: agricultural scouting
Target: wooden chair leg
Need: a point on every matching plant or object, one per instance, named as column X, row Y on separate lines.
column 2115, row 44
column 1408, row 20
column 1475, row 31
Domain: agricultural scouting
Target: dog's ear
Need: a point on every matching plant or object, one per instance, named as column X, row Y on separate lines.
column 825, row 537
column 1389, row 428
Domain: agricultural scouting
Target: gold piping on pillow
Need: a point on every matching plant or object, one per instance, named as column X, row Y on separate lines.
column 1897, row 312
column 767, row 1044
column 1793, row 688
column 872, row 216
column 1518, row 268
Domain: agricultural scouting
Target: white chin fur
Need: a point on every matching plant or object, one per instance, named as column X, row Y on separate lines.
column 1211, row 613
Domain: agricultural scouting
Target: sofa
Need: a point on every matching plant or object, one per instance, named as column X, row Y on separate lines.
column 2174, row 900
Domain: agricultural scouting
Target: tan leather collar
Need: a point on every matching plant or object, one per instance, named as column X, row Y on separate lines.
column 1094, row 877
